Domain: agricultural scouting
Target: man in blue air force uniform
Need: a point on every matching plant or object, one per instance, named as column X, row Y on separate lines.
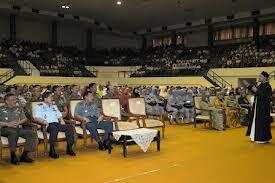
column 49, row 115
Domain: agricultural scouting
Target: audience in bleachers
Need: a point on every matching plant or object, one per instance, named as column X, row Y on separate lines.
column 158, row 61
column 50, row 60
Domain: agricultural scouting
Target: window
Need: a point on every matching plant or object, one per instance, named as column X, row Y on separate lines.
column 226, row 34
column 164, row 41
column 270, row 29
column 267, row 29
column 243, row 32
column 157, row 42
column 239, row 32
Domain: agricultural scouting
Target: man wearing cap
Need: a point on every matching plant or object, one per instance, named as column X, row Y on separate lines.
column 49, row 115
column 259, row 126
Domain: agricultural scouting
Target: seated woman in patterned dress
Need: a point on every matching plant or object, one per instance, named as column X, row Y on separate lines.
column 217, row 116
column 233, row 110
column 221, row 106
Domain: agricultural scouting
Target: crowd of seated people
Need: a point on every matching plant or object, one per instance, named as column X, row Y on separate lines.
column 50, row 60
column 157, row 61
column 117, row 57
column 230, row 108
column 247, row 55
column 170, row 60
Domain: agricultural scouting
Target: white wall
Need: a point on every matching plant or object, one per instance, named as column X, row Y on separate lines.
column 109, row 40
column 70, row 33
column 34, row 29
column 4, row 26
column 196, row 38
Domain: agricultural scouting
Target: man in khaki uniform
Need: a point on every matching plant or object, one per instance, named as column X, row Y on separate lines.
column 11, row 119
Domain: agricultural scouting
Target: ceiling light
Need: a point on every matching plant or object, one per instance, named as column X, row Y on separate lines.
column 65, row 6
column 119, row 3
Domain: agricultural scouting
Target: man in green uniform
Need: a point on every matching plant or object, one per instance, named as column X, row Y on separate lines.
column 11, row 119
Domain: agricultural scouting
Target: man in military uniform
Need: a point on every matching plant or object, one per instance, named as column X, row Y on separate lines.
column 74, row 93
column 48, row 114
column 11, row 119
column 26, row 92
column 96, row 98
column 35, row 97
column 60, row 101
column 89, row 112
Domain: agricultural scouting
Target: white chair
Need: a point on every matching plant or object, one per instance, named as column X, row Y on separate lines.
column 111, row 109
column 198, row 116
column 137, row 109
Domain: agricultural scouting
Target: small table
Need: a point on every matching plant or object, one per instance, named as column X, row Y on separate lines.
column 141, row 136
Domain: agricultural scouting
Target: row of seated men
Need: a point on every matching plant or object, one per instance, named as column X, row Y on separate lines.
column 12, row 117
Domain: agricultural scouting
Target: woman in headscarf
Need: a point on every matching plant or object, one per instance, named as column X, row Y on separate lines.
column 188, row 106
column 220, row 105
column 158, row 100
column 232, row 111
column 149, row 99
column 109, row 93
column 205, row 104
column 220, row 102
column 174, row 105
column 217, row 116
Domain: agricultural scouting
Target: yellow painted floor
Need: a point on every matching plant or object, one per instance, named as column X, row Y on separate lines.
column 187, row 155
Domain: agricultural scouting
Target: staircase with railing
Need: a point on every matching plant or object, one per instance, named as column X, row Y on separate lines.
column 28, row 67
column 215, row 79
column 7, row 76
column 92, row 70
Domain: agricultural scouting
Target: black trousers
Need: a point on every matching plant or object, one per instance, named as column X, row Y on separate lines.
column 53, row 130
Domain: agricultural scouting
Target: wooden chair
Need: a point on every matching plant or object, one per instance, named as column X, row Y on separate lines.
column 42, row 133
column 111, row 109
column 136, row 108
column 198, row 116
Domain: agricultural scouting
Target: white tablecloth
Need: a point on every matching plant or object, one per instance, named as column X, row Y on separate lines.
column 142, row 136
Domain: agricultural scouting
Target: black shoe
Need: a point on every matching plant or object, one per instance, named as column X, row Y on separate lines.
column 70, row 151
column 53, row 154
column 107, row 145
column 14, row 159
column 101, row 146
column 25, row 158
